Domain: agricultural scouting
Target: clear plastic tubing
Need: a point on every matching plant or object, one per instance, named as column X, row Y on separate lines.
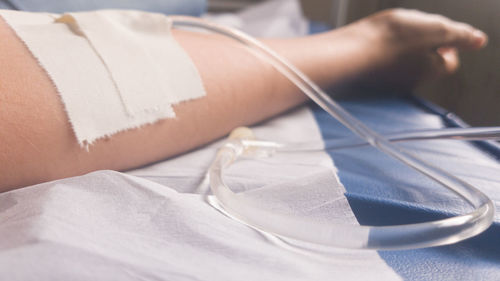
column 464, row 134
column 428, row 234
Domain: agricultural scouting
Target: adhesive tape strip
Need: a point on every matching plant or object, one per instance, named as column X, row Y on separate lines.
column 149, row 68
column 95, row 106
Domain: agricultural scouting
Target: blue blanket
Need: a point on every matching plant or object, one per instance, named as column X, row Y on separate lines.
column 382, row 191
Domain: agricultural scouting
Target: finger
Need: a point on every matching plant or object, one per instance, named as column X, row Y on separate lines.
column 435, row 66
column 456, row 34
column 432, row 31
column 464, row 36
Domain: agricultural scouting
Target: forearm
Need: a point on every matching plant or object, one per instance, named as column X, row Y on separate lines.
column 37, row 142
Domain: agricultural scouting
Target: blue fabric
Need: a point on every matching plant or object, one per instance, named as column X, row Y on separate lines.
column 382, row 191
column 179, row 7
column 452, row 120
column 317, row 27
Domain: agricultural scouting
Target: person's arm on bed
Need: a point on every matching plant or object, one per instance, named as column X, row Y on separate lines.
column 37, row 143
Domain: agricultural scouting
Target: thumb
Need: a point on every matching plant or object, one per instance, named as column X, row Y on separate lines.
column 449, row 57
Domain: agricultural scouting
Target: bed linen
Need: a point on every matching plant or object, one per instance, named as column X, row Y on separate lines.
column 155, row 223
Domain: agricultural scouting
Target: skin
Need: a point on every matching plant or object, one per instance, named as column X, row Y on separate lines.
column 391, row 49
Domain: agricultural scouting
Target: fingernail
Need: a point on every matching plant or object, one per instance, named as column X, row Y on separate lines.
column 480, row 38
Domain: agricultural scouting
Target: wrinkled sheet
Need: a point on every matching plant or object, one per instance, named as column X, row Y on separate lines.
column 155, row 223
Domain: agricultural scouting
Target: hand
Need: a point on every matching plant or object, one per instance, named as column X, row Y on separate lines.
column 409, row 46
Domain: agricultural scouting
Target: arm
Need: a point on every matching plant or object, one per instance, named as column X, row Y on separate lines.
column 37, row 143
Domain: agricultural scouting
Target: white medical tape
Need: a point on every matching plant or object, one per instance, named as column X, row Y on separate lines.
column 90, row 96
column 149, row 68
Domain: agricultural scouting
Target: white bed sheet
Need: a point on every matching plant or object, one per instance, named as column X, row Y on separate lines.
column 155, row 224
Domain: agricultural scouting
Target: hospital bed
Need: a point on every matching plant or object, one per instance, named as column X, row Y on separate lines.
column 157, row 222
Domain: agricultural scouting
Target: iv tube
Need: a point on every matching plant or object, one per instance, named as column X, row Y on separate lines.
column 464, row 134
column 441, row 232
